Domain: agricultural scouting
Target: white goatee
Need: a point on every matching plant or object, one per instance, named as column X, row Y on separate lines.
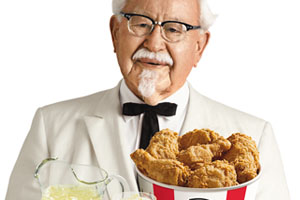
column 147, row 82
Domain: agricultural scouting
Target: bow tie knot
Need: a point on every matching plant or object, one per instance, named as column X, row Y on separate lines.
column 165, row 109
column 150, row 122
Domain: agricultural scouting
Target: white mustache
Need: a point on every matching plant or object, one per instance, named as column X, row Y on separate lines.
column 159, row 56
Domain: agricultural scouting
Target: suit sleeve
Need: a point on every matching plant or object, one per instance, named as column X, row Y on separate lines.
column 272, row 183
column 22, row 184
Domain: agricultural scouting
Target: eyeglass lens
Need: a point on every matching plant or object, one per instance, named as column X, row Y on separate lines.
column 171, row 31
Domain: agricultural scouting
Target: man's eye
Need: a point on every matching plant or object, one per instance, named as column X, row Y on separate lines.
column 142, row 25
column 172, row 30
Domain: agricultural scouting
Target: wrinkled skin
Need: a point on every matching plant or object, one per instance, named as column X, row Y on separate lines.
column 185, row 53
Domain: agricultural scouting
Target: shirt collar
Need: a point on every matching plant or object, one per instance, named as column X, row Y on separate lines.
column 180, row 97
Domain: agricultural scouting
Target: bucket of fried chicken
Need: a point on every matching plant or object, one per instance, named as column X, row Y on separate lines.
column 199, row 165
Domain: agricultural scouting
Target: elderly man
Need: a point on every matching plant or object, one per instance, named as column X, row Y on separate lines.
column 157, row 43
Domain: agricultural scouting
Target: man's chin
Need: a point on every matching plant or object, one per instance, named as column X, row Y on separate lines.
column 156, row 97
column 149, row 97
column 152, row 100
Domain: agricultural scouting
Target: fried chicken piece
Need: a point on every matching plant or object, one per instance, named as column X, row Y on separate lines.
column 244, row 156
column 204, row 136
column 164, row 144
column 195, row 137
column 162, row 170
column 195, row 154
column 219, row 173
column 201, row 146
column 202, row 153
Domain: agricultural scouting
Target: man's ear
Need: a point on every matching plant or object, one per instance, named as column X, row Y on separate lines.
column 201, row 45
column 114, row 27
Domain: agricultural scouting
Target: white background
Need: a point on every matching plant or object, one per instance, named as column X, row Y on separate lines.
column 52, row 50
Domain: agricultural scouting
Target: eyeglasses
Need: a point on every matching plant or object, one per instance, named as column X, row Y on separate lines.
column 172, row 31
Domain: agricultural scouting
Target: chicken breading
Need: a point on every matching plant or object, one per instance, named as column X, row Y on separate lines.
column 195, row 154
column 164, row 144
column 204, row 136
column 195, row 137
column 201, row 146
column 244, row 156
column 219, row 173
column 163, row 170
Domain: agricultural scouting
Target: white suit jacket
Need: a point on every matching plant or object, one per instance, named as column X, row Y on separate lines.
column 89, row 130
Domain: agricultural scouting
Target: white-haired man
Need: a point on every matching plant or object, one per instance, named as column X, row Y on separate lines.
column 157, row 43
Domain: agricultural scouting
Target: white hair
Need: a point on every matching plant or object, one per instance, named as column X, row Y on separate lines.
column 207, row 18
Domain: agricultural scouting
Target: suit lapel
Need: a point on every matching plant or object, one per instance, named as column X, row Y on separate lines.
column 197, row 112
column 108, row 139
column 203, row 112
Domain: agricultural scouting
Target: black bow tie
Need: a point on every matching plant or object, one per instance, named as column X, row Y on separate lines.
column 150, row 122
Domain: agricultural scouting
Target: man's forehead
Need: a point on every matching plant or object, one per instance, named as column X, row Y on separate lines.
column 164, row 9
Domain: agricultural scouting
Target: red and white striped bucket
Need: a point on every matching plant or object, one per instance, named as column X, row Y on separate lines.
column 245, row 191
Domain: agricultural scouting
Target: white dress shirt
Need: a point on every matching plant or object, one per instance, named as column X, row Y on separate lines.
column 134, row 123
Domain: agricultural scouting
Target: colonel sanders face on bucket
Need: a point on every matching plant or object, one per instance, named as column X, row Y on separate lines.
column 156, row 60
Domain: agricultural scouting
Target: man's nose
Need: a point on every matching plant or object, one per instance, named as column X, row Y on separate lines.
column 154, row 41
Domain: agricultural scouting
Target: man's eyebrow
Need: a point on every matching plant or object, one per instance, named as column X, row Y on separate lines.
column 148, row 14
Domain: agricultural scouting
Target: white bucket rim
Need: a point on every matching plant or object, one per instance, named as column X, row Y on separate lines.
column 188, row 189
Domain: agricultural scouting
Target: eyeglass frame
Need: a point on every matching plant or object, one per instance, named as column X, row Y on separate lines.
column 188, row 26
